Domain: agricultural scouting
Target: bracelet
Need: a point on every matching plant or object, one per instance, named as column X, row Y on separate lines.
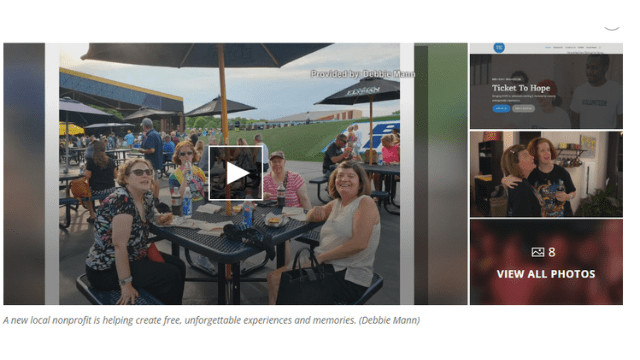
column 122, row 282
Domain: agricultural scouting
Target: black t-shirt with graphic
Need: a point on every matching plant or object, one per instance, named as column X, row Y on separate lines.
column 523, row 201
column 546, row 186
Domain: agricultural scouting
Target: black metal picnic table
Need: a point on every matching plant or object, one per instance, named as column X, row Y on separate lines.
column 117, row 153
column 224, row 251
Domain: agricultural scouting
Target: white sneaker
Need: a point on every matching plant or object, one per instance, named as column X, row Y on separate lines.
column 205, row 263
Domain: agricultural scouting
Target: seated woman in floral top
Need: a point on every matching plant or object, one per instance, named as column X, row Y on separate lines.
column 118, row 258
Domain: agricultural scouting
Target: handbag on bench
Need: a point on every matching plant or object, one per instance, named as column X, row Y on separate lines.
column 308, row 286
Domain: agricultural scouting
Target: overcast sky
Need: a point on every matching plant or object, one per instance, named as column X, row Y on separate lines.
column 274, row 92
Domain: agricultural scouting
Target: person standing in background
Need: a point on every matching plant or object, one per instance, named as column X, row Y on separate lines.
column 597, row 104
column 130, row 139
column 358, row 142
column 152, row 150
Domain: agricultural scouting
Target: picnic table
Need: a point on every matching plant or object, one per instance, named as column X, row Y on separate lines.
column 135, row 154
column 118, row 152
column 227, row 252
column 71, row 175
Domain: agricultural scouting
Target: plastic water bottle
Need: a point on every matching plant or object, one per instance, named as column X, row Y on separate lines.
column 247, row 213
column 380, row 159
column 186, row 204
column 188, row 172
column 560, row 188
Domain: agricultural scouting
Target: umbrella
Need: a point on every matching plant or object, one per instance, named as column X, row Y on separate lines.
column 146, row 112
column 214, row 107
column 79, row 113
column 245, row 55
column 73, row 129
column 369, row 89
column 109, row 125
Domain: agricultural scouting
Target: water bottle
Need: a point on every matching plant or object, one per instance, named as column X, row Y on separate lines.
column 380, row 159
column 560, row 188
column 186, row 204
column 281, row 195
column 247, row 213
column 188, row 172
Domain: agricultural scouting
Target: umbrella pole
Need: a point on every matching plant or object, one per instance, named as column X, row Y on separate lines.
column 225, row 123
column 66, row 144
column 370, row 129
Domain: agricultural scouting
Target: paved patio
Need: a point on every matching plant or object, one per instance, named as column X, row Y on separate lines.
column 78, row 238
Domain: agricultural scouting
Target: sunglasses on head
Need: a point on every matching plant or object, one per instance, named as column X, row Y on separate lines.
column 139, row 172
column 185, row 153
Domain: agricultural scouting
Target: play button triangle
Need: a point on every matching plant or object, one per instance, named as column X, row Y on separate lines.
column 234, row 173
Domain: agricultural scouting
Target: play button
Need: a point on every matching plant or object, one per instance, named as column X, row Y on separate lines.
column 234, row 173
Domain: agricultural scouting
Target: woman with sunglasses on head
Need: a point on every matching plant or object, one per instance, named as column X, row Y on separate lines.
column 523, row 200
column 118, row 259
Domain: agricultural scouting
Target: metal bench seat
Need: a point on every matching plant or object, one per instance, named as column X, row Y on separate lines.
column 110, row 297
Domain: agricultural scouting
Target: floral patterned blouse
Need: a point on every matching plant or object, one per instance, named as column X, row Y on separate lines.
column 102, row 253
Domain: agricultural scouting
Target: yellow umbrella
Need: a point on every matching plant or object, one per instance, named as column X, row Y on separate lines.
column 73, row 129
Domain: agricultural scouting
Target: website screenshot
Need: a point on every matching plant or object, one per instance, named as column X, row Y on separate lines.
column 546, row 86
column 430, row 188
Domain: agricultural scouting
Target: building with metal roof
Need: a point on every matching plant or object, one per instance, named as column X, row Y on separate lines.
column 348, row 114
column 125, row 98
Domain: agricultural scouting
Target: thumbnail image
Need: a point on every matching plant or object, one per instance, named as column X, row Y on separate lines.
column 546, row 174
column 536, row 262
column 554, row 91
column 173, row 180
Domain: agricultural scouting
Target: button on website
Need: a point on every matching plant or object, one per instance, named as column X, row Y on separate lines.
column 524, row 108
column 501, row 108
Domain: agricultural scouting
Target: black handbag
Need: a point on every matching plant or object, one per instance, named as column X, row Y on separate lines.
column 309, row 286
column 254, row 237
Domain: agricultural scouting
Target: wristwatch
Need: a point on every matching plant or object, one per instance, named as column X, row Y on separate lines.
column 125, row 281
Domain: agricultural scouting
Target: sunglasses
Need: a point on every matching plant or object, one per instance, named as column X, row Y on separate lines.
column 139, row 172
column 185, row 153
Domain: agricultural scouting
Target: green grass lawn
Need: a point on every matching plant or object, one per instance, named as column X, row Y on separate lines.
column 302, row 142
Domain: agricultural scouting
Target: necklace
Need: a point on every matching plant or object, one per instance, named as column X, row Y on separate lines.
column 547, row 174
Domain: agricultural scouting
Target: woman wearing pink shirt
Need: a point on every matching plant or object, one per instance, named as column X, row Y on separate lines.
column 390, row 156
column 296, row 190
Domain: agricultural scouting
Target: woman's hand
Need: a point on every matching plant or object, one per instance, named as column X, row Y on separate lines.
column 510, row 181
column 318, row 213
column 562, row 196
column 129, row 295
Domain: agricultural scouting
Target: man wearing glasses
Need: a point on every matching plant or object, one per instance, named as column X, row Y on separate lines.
column 334, row 154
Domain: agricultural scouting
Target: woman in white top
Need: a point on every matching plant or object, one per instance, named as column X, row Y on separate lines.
column 348, row 239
